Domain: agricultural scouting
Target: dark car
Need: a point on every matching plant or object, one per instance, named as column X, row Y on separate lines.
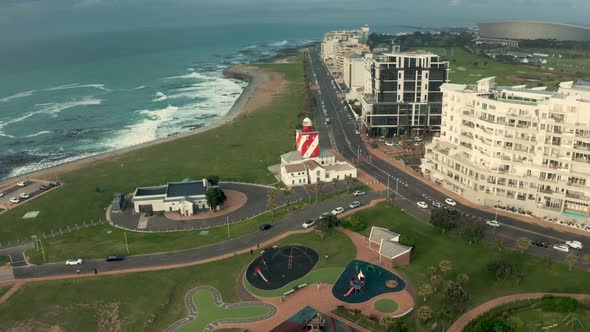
column 54, row 183
column 113, row 258
column 265, row 227
column 44, row 187
column 540, row 244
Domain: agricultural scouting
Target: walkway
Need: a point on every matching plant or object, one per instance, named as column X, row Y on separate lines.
column 193, row 310
column 481, row 309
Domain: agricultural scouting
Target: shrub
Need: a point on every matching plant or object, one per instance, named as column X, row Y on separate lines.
column 356, row 223
column 407, row 240
column 551, row 303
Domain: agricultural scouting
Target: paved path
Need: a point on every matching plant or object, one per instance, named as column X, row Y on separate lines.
column 193, row 310
column 481, row 309
column 17, row 253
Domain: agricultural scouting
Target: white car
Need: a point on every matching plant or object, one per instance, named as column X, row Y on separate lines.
column 450, row 202
column 561, row 247
column 574, row 244
column 337, row 211
column 357, row 132
column 381, row 139
column 24, row 195
column 74, row 261
column 308, row 223
column 14, row 200
column 354, row 204
column 493, row 223
column 21, row 184
column 2, row 194
column 358, row 193
column 388, row 143
column 437, row 205
column 324, row 215
column 422, row 205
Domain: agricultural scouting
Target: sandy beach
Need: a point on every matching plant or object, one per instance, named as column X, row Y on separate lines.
column 263, row 84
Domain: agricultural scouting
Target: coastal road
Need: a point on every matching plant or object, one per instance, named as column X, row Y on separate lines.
column 289, row 223
column 411, row 190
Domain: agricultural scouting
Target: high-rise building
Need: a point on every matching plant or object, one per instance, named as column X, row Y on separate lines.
column 518, row 149
column 402, row 93
column 353, row 70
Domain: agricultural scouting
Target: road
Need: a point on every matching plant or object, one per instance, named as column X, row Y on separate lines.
column 411, row 190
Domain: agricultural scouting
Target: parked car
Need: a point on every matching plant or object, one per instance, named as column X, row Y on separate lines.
column 113, row 258
column 437, row 205
column 354, row 204
column 561, row 247
column 418, row 139
column 54, row 183
column 24, row 195
column 328, row 121
column 381, row 139
column 337, row 211
column 74, row 261
column 324, row 215
column 389, row 143
column 21, row 183
column 2, row 194
column 493, row 223
column 417, row 143
column 574, row 244
column 265, row 227
column 358, row 193
column 422, row 205
column 450, row 202
column 14, row 200
column 308, row 223
column 357, row 132
column 540, row 243
column 44, row 187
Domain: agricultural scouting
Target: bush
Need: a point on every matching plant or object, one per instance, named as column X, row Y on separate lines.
column 407, row 240
column 551, row 303
column 356, row 223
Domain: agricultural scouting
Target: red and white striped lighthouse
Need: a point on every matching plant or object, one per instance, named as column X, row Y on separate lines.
column 308, row 140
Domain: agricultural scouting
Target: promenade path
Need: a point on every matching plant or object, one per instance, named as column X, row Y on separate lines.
column 481, row 309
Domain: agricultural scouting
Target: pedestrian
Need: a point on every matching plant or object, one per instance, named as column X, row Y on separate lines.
column 95, row 271
column 78, row 271
column 251, row 251
column 326, row 256
column 258, row 245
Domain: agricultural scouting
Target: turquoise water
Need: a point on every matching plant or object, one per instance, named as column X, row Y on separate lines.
column 574, row 214
column 68, row 98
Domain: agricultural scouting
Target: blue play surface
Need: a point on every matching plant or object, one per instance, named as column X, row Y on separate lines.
column 296, row 323
column 374, row 284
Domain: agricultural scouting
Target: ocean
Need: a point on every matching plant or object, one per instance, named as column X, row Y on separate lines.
column 73, row 97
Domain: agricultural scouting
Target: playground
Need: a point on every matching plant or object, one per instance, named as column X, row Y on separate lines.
column 362, row 281
column 278, row 266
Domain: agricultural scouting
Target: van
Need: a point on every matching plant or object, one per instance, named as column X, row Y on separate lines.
column 328, row 121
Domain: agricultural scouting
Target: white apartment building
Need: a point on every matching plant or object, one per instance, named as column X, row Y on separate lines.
column 522, row 150
column 353, row 71
column 336, row 44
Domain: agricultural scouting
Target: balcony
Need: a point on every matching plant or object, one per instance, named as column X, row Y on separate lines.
column 546, row 191
column 582, row 159
column 582, row 147
column 577, row 196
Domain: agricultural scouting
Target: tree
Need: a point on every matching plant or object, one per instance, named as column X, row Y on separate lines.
column 424, row 313
column 462, row 278
column 444, row 219
column 499, row 245
column 308, row 189
column 571, row 260
column 431, row 270
column 213, row 179
column 586, row 259
column 320, row 185
column 445, row 266
column 425, row 290
column 349, row 181
column 387, row 320
column 435, row 280
column 322, row 227
column 456, row 295
column 215, row 197
column 474, row 232
column 523, row 244
column 271, row 203
column 328, row 222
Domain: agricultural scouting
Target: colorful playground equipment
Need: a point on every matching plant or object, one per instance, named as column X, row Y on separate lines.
column 357, row 284
column 259, row 271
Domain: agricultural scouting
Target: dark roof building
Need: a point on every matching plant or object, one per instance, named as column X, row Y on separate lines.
column 184, row 196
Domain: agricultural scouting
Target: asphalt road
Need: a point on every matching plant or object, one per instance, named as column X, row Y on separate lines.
column 411, row 190
column 289, row 223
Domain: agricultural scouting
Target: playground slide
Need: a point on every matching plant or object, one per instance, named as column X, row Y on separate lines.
column 261, row 275
column 349, row 291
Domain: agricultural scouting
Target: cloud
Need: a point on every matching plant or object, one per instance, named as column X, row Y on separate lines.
column 455, row 3
column 15, row 11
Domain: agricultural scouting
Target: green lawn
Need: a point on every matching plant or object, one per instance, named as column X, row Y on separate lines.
column 208, row 312
column 327, row 275
column 105, row 240
column 4, row 260
column 432, row 247
column 530, row 320
column 138, row 301
column 505, row 73
column 386, row 305
column 87, row 192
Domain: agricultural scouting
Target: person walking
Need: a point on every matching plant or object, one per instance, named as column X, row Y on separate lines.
column 257, row 245
column 95, row 271
column 251, row 251
column 78, row 271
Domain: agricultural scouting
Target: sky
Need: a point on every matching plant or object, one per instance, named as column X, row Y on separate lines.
column 32, row 19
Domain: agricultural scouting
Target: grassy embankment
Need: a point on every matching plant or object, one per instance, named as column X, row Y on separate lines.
column 432, row 247
column 147, row 301
column 241, row 151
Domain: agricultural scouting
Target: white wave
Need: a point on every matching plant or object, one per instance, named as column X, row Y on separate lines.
column 55, row 88
column 46, row 164
column 139, row 87
column 5, row 135
column 16, row 96
column 39, row 133
column 281, row 43
column 192, row 75
column 250, row 47
column 190, row 69
column 160, row 96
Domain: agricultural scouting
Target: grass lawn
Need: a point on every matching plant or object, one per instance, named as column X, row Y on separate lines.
column 137, row 301
column 385, row 305
column 4, row 260
column 208, row 312
column 432, row 247
column 327, row 275
column 87, row 192
column 465, row 70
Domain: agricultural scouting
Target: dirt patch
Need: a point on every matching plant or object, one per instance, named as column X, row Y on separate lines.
column 461, row 69
column 108, row 317
column 33, row 325
column 521, row 79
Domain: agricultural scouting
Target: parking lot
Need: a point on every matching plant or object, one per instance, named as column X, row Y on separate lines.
column 31, row 188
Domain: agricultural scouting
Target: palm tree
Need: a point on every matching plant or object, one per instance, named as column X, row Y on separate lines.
column 424, row 313
column 431, row 270
column 349, row 181
column 320, row 186
column 571, row 260
column 308, row 189
column 425, row 291
column 386, row 320
column 335, row 182
column 499, row 245
column 271, row 203
column 462, row 278
column 523, row 244
column 445, row 266
column 435, row 280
